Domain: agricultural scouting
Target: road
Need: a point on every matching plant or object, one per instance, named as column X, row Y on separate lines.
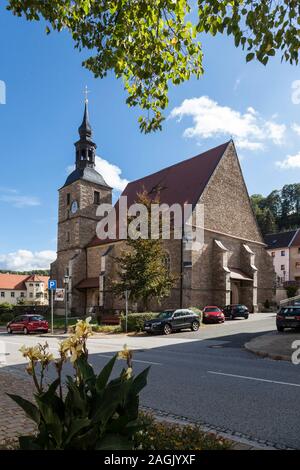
column 206, row 377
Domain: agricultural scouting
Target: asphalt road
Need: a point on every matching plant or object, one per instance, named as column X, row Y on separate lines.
column 206, row 376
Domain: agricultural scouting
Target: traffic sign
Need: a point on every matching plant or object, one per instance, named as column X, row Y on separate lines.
column 52, row 284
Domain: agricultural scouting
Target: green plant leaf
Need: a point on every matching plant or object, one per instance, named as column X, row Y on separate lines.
column 104, row 375
column 30, row 409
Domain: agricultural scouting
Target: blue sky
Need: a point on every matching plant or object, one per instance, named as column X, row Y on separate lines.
column 44, row 104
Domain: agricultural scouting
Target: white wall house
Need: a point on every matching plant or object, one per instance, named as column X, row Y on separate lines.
column 15, row 288
column 281, row 247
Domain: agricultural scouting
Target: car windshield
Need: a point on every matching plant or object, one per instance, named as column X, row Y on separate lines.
column 290, row 311
column 212, row 309
column 166, row 314
column 36, row 318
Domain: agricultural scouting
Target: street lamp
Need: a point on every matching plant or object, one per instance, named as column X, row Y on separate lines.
column 66, row 282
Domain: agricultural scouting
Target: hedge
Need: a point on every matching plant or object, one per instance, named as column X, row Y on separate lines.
column 5, row 308
column 136, row 320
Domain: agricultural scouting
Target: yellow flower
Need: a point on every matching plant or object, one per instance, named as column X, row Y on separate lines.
column 125, row 353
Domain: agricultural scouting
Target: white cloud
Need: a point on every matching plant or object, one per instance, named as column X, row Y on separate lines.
column 296, row 92
column 210, row 119
column 111, row 173
column 12, row 196
column 296, row 128
column 25, row 260
column 290, row 161
column 20, row 201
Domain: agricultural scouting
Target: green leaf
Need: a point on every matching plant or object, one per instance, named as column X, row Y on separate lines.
column 104, row 375
column 30, row 409
column 250, row 56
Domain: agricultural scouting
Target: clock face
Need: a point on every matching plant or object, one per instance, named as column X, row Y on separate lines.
column 74, row 207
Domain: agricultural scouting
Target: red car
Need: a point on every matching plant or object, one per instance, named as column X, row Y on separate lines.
column 28, row 324
column 213, row 314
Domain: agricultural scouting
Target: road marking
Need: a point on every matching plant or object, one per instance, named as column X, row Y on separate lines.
column 95, row 351
column 253, row 378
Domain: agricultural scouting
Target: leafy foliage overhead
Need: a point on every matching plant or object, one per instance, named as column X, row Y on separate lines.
column 279, row 211
column 150, row 44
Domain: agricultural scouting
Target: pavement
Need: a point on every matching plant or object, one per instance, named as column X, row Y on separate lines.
column 205, row 377
column 277, row 346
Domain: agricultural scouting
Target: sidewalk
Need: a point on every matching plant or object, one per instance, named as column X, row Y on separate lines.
column 277, row 346
column 13, row 420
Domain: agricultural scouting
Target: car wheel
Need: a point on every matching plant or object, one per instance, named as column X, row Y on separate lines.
column 167, row 329
column 280, row 329
column 25, row 331
column 246, row 317
column 9, row 330
column 195, row 326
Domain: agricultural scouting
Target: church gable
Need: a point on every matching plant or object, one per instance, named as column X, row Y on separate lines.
column 227, row 206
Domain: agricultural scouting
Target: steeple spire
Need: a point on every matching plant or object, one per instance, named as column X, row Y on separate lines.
column 85, row 147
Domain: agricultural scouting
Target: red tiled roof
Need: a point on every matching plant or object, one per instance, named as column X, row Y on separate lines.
column 88, row 283
column 17, row 281
column 182, row 183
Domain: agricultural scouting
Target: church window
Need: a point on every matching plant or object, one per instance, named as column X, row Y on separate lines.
column 68, row 199
column 68, row 236
column 96, row 197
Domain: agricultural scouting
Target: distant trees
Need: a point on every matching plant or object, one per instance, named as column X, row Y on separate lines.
column 38, row 272
column 279, row 211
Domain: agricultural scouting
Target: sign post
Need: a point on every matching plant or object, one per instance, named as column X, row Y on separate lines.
column 52, row 288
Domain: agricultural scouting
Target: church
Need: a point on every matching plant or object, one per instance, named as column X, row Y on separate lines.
column 232, row 265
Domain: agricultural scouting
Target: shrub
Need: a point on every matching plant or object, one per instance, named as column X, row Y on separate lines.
column 161, row 435
column 106, row 328
column 198, row 312
column 136, row 320
column 6, row 317
column 291, row 290
column 94, row 413
column 5, row 308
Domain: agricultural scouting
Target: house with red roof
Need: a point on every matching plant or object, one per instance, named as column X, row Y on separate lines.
column 28, row 288
column 232, row 265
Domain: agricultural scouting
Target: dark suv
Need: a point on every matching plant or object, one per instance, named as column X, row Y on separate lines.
column 236, row 310
column 288, row 317
column 172, row 320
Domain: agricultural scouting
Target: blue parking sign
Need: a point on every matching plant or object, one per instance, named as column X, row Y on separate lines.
column 51, row 284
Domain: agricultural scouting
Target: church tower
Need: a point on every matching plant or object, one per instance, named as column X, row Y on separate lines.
column 79, row 198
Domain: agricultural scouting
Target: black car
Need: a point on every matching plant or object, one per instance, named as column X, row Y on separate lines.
column 288, row 317
column 236, row 310
column 172, row 320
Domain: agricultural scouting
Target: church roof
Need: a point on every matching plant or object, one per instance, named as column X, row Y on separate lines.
column 182, row 183
column 86, row 174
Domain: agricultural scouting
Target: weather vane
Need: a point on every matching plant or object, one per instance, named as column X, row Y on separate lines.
column 86, row 92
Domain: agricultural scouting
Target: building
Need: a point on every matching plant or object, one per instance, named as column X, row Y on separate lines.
column 232, row 266
column 284, row 248
column 16, row 288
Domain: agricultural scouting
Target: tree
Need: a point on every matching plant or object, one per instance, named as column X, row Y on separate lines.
column 150, row 44
column 264, row 216
column 142, row 267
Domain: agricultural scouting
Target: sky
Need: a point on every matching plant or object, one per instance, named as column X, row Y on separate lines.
column 257, row 106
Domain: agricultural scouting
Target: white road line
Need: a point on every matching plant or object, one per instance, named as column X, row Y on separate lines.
column 253, row 378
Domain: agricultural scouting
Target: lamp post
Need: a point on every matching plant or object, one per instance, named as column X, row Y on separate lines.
column 66, row 282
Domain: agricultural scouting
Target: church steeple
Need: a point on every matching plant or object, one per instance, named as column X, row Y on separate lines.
column 85, row 147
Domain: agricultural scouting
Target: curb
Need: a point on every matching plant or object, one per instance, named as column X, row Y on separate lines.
column 266, row 354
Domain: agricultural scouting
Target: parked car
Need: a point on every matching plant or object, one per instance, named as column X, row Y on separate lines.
column 288, row 317
column 213, row 314
column 173, row 320
column 28, row 324
column 236, row 310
